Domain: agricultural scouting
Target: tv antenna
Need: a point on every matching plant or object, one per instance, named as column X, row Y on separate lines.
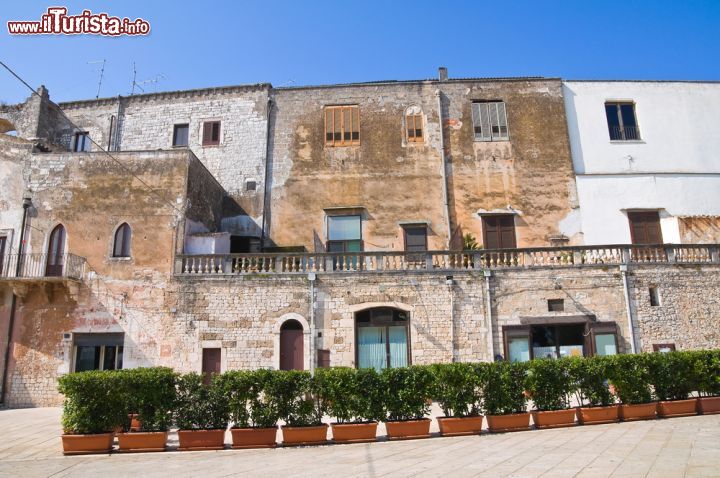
column 136, row 84
column 102, row 73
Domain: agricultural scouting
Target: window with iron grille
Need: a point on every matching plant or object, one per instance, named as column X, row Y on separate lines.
column 490, row 121
column 211, row 133
column 342, row 125
column 621, row 120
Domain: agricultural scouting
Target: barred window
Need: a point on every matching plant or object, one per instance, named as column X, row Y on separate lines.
column 490, row 121
column 342, row 125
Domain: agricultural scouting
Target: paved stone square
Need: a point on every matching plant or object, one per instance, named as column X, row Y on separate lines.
column 678, row 447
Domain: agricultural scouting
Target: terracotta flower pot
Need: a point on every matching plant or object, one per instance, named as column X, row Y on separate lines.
column 87, row 444
column 142, row 441
column 708, row 405
column 193, row 440
column 253, row 437
column 554, row 418
column 408, row 429
column 316, row 435
column 508, row 423
column 354, row 432
column 596, row 415
column 677, row 408
column 457, row 426
column 641, row 411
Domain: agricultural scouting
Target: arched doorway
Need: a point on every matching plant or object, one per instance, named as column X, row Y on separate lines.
column 382, row 338
column 291, row 345
column 56, row 252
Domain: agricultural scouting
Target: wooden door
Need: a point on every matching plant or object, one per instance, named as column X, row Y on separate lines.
column 291, row 346
column 645, row 227
column 211, row 361
column 56, row 250
column 499, row 231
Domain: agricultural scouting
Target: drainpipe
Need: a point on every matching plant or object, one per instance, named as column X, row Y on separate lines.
column 116, row 140
column 311, row 277
column 444, row 166
column 488, row 314
column 449, row 281
column 628, row 309
column 27, row 202
column 266, row 185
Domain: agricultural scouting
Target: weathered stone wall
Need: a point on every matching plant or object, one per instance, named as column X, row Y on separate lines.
column 146, row 123
column 396, row 181
column 688, row 314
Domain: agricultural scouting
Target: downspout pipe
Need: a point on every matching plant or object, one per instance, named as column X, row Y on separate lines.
column 628, row 309
column 438, row 94
column 27, row 202
column 266, row 181
column 313, row 354
column 488, row 314
column 116, row 139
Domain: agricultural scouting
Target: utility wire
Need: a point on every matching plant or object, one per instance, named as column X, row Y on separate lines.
column 100, row 148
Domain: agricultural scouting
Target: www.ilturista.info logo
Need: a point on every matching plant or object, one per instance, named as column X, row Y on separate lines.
column 57, row 22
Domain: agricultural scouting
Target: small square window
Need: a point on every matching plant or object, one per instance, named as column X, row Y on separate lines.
column 250, row 185
column 622, row 124
column 556, row 305
column 81, row 142
column 490, row 121
column 180, row 135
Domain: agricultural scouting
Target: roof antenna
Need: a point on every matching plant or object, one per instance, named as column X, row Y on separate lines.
column 136, row 84
column 102, row 72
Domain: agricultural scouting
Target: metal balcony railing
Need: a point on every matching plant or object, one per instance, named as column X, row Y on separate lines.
column 576, row 256
column 36, row 266
column 624, row 133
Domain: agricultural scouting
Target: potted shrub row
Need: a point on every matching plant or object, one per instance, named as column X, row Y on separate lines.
column 407, row 397
column 597, row 402
column 707, row 371
column 505, row 398
column 458, row 390
column 550, row 386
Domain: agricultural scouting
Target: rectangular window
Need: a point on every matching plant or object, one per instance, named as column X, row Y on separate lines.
column 663, row 348
column 654, row 297
column 524, row 343
column 382, row 339
column 342, row 125
column 180, row 134
column 490, row 121
column 81, row 142
column 98, row 352
column 211, row 360
column 621, row 121
column 556, row 305
column 499, row 231
column 645, row 227
column 344, row 234
column 415, row 238
column 211, row 133
column 414, row 128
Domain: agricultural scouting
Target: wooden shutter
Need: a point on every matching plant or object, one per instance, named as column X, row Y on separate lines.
column 645, row 227
column 211, row 361
column 207, row 133
column 499, row 232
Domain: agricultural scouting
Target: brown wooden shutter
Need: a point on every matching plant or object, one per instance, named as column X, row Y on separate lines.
column 645, row 227
column 207, row 133
column 499, row 232
column 211, row 360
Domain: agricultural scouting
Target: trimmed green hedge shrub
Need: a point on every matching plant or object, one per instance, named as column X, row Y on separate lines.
column 706, row 372
column 550, row 384
column 92, row 402
column 200, row 406
column 671, row 375
column 151, row 393
column 504, row 388
column 631, row 378
column 406, row 392
column 248, row 402
column 458, row 388
column 590, row 376
column 298, row 398
column 351, row 396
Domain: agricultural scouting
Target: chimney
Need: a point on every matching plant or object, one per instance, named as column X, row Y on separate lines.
column 442, row 73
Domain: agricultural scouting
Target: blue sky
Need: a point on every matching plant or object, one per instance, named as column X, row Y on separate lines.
column 316, row 42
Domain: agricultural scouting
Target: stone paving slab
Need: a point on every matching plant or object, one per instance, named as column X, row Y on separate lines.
column 677, row 447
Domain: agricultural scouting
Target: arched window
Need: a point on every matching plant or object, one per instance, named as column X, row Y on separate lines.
column 291, row 345
column 121, row 246
column 382, row 338
column 56, row 252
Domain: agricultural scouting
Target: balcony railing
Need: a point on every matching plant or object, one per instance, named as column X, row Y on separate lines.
column 302, row 263
column 35, row 266
column 624, row 133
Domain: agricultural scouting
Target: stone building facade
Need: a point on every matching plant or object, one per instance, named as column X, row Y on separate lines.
column 131, row 245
